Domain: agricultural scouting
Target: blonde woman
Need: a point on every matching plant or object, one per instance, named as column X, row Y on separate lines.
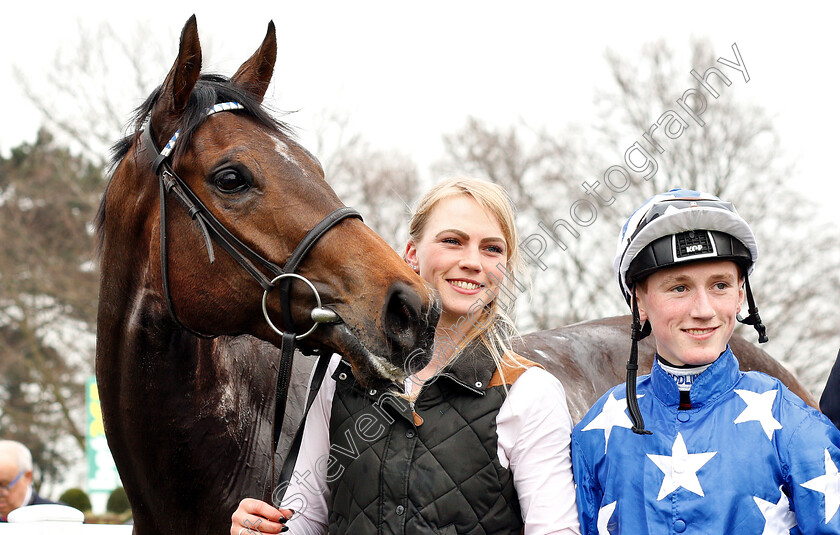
column 477, row 442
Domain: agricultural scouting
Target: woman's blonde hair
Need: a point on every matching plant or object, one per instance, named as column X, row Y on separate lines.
column 494, row 327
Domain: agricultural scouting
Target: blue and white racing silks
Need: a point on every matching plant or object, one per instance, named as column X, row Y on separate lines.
column 749, row 457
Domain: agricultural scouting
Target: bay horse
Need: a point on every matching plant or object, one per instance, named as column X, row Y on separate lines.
column 187, row 357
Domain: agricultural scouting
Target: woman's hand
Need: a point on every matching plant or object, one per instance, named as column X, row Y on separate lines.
column 254, row 516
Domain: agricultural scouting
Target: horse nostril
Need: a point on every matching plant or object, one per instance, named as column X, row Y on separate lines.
column 402, row 317
column 409, row 326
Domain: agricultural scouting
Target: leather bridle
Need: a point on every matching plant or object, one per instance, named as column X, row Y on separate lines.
column 279, row 277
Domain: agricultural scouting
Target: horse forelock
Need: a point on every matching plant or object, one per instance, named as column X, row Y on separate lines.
column 211, row 89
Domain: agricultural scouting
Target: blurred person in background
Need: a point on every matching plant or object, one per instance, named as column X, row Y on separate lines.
column 16, row 478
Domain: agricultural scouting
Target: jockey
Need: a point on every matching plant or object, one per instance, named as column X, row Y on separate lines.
column 698, row 446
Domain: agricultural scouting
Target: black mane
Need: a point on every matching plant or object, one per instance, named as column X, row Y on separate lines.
column 210, row 89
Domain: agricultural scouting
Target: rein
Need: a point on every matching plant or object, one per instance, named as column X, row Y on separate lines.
column 279, row 278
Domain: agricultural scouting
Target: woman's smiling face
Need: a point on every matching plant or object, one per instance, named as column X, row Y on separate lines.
column 461, row 247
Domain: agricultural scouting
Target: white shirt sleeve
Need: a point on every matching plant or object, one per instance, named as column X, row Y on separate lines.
column 308, row 492
column 534, row 429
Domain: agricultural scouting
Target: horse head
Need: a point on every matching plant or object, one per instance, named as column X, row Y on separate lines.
column 245, row 169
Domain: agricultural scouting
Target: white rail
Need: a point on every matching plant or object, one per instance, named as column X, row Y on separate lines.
column 55, row 519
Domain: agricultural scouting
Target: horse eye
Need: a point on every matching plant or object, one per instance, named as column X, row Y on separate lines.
column 230, row 181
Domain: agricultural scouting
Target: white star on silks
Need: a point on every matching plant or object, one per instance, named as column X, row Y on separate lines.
column 778, row 518
column 613, row 414
column 828, row 484
column 759, row 409
column 680, row 468
column 604, row 515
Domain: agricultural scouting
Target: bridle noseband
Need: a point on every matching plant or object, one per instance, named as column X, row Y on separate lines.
column 210, row 227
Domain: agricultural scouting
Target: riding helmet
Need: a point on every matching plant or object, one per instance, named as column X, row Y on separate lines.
column 669, row 229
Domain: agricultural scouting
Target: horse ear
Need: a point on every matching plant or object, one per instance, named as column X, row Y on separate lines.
column 255, row 74
column 181, row 80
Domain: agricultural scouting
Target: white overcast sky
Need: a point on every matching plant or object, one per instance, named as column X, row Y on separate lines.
column 412, row 71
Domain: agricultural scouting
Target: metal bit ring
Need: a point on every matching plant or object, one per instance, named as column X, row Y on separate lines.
column 265, row 298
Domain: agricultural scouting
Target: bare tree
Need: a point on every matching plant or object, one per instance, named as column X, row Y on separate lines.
column 381, row 184
column 731, row 150
column 48, row 292
column 48, row 272
column 94, row 83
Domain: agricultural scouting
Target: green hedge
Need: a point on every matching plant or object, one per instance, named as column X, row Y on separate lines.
column 77, row 498
column 118, row 501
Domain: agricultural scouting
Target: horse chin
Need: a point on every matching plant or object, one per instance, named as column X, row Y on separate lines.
column 369, row 368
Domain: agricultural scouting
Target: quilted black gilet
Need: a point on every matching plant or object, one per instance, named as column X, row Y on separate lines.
column 431, row 470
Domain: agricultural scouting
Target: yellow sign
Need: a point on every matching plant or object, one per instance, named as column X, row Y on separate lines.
column 102, row 474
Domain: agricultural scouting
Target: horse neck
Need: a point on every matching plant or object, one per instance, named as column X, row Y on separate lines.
column 189, row 421
column 168, row 398
column 134, row 332
column 187, row 442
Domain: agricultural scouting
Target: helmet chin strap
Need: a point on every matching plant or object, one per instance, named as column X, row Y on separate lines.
column 753, row 319
column 638, row 333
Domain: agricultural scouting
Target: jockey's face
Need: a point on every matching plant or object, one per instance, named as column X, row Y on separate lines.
column 692, row 310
